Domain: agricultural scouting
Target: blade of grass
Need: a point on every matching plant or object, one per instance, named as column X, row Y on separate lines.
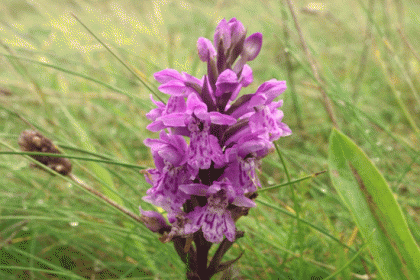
column 320, row 230
column 290, row 70
column 296, row 208
column 128, row 165
column 348, row 263
column 61, row 69
column 314, row 67
column 57, row 270
column 134, row 72
column 373, row 206
column 339, row 100
column 87, row 144
column 395, row 92
column 291, row 182
column 25, row 74
column 73, row 179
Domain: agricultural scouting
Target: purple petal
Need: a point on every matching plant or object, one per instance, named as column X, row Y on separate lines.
column 203, row 147
column 222, row 35
column 271, row 89
column 173, row 115
column 215, row 225
column 167, row 75
column 241, row 172
column 172, row 148
column 154, row 114
column 191, row 80
column 246, row 76
column 285, row 130
column 235, row 93
column 243, row 201
column 205, row 49
column 195, row 105
column 237, row 30
column 156, row 126
column 264, row 95
column 175, row 87
column 157, row 112
column 153, row 220
column 230, row 229
column 199, row 151
column 217, row 155
column 194, row 189
column 226, row 82
column 165, row 192
column 222, row 119
column 176, row 104
column 268, row 119
column 174, row 120
column 252, row 46
column 195, row 217
column 223, row 189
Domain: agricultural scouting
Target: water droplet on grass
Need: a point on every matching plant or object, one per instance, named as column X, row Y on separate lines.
column 74, row 223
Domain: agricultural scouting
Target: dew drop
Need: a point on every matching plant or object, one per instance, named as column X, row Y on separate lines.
column 74, row 223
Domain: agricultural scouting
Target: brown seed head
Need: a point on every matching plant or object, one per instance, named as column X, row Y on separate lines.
column 33, row 141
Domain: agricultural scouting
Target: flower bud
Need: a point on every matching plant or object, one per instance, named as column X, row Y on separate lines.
column 154, row 221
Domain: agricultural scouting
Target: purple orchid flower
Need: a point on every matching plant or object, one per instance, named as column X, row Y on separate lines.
column 200, row 181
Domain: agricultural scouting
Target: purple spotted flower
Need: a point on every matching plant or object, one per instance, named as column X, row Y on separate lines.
column 214, row 218
column 213, row 135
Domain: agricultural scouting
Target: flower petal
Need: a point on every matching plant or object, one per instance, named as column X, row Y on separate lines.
column 252, row 46
column 226, row 82
column 222, row 35
column 153, row 220
column 167, row 75
column 205, row 49
column 195, row 189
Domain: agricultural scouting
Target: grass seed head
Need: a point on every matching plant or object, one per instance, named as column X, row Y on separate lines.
column 33, row 141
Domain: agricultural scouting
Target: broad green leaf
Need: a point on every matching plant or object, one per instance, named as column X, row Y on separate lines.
column 374, row 208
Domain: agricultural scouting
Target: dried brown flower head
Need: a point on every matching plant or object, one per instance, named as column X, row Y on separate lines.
column 5, row 91
column 33, row 141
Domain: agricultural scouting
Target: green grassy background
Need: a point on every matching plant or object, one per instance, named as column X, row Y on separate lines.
column 367, row 55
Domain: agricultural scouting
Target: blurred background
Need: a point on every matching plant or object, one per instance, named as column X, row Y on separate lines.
column 349, row 64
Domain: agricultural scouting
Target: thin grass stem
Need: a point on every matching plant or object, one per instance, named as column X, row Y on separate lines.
column 314, row 67
column 129, row 68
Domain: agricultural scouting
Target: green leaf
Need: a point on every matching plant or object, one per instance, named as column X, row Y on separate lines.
column 367, row 195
